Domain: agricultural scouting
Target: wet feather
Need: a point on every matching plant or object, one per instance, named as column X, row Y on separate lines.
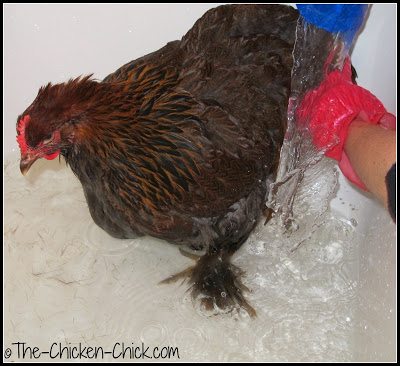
column 179, row 144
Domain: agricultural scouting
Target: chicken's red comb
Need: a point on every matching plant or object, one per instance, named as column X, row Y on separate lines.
column 23, row 122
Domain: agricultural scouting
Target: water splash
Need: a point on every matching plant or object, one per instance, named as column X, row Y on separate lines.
column 299, row 158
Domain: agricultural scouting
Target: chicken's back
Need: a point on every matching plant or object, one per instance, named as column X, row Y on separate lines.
column 233, row 70
column 236, row 59
column 243, row 56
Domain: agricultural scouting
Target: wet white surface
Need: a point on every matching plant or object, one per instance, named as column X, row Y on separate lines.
column 67, row 281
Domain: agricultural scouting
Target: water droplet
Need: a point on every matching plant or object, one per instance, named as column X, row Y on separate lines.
column 223, row 294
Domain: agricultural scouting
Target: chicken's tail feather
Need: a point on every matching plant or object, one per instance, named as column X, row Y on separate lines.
column 216, row 283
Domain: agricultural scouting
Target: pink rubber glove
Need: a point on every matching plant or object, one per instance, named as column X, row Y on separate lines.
column 328, row 110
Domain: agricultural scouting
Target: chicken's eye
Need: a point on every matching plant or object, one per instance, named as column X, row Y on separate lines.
column 47, row 140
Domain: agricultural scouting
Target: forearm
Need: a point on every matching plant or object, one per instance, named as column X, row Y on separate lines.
column 371, row 150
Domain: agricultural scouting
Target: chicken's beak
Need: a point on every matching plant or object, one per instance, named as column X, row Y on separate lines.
column 26, row 163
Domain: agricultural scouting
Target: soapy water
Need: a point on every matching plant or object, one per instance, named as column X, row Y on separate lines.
column 68, row 281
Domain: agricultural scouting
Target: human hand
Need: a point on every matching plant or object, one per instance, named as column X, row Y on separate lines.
column 328, row 110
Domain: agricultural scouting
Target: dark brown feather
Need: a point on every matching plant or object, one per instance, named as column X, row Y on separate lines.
column 180, row 143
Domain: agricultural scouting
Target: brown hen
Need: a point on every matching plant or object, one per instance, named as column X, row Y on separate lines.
column 181, row 143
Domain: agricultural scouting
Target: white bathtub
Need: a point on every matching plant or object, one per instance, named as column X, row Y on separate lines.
column 55, row 42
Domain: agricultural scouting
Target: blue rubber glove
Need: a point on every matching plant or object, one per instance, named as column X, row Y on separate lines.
column 345, row 19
